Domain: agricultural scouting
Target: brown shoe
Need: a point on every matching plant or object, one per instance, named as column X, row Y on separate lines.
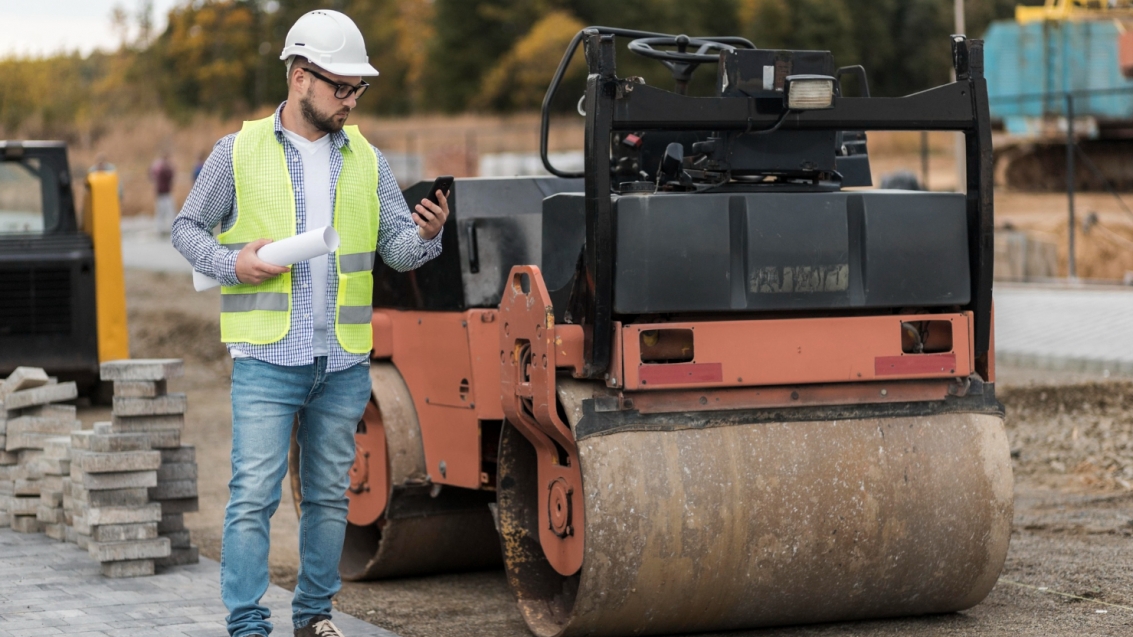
column 320, row 626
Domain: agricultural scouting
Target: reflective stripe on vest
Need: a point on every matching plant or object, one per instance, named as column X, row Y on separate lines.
column 265, row 200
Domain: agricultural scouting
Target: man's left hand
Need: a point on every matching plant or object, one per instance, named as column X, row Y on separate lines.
column 430, row 217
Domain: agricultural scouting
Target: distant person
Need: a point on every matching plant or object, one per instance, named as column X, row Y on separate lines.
column 101, row 165
column 199, row 165
column 301, row 347
column 161, row 174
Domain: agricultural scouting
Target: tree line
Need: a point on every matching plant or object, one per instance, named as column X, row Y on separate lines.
column 221, row 56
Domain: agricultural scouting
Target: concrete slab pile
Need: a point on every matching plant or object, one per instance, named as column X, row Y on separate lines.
column 29, row 418
column 56, row 467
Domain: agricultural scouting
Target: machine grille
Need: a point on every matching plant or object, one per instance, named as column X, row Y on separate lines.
column 36, row 301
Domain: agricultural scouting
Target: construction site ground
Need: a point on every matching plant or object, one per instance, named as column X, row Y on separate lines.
column 1069, row 571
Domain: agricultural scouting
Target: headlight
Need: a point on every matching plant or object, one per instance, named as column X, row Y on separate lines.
column 810, row 92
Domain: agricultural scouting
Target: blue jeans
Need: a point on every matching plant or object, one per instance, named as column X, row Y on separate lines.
column 265, row 399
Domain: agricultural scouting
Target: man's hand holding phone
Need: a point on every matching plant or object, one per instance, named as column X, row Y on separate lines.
column 432, row 212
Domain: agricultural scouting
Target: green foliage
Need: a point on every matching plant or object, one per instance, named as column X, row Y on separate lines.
column 222, row 56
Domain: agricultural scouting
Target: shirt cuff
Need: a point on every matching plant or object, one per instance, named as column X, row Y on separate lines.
column 428, row 245
column 224, row 266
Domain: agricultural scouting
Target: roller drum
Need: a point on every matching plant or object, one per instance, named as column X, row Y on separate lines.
column 725, row 526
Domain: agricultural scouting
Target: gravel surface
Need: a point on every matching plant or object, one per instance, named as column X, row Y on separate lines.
column 1069, row 571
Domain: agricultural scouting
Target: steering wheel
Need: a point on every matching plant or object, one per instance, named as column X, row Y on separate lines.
column 682, row 62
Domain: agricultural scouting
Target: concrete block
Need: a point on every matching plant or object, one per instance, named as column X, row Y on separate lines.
column 143, row 424
column 98, row 516
column 134, row 550
column 51, row 466
column 67, row 517
column 102, row 428
column 113, row 443
column 49, row 515
column 159, row 406
column 28, row 455
column 139, row 388
column 178, row 539
column 37, row 425
column 26, row 488
column 69, row 534
column 110, row 497
column 182, row 505
column 124, row 480
column 179, row 557
column 23, row 378
column 3, row 441
column 7, row 487
column 59, row 448
column 170, row 471
column 80, row 440
column 23, row 505
column 82, row 541
column 41, row 396
column 94, row 462
column 19, row 442
column 186, row 453
column 128, row 568
column 51, row 499
column 6, row 501
column 5, row 519
column 7, row 457
column 66, row 486
column 124, row 532
column 51, row 483
column 174, row 490
column 56, row 531
column 7, row 472
column 142, row 369
column 62, row 412
column 26, row 524
column 171, row 522
column 164, row 438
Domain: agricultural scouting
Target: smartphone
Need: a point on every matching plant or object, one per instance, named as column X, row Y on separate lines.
column 443, row 184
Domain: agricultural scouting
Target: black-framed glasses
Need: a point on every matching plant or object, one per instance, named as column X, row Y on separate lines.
column 341, row 91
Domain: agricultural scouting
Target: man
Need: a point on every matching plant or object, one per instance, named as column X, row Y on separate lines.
column 161, row 174
column 300, row 336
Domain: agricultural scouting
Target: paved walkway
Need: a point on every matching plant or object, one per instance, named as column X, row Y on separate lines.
column 1065, row 328
column 50, row 588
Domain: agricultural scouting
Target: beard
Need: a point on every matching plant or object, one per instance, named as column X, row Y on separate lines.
column 325, row 123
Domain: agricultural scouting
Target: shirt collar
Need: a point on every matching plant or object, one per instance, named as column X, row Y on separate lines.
column 338, row 138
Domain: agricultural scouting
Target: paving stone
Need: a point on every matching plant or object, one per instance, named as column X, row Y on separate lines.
column 7, row 472
column 159, row 406
column 5, row 519
column 97, row 516
column 69, row 534
column 134, row 550
column 141, row 369
column 129, row 568
column 178, row 539
column 38, row 425
column 58, row 448
column 139, row 388
column 20, row 442
column 82, row 540
column 169, row 471
column 51, row 499
column 26, row 524
column 52, row 466
column 187, row 453
column 113, row 443
column 173, row 490
column 142, row 424
column 56, row 531
column 180, row 557
column 125, row 532
column 80, row 440
column 7, row 487
column 23, row 378
column 51, row 483
column 41, row 396
column 94, row 462
column 123, row 480
column 171, row 522
column 164, row 438
column 23, row 505
column 110, row 497
column 7, row 457
column 26, row 488
column 49, row 515
column 65, row 412
column 181, row 505
column 28, row 455
column 4, row 441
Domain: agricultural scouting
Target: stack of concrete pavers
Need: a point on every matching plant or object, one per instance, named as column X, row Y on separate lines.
column 32, row 420
column 110, row 508
column 143, row 407
column 55, row 466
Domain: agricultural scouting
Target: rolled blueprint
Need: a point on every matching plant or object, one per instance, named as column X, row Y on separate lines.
column 289, row 251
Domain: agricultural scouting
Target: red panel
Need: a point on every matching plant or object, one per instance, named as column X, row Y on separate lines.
column 681, row 373
column 914, row 364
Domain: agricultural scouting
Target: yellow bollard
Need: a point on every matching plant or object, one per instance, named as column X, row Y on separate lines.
column 102, row 221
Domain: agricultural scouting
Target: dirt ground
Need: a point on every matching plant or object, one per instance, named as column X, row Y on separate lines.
column 1068, row 572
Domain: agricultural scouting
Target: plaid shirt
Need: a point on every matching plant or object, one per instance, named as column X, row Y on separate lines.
column 212, row 201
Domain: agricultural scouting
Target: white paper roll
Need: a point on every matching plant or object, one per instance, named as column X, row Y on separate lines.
column 289, row 251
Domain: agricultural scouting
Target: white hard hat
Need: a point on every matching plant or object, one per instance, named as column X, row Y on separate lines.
column 331, row 41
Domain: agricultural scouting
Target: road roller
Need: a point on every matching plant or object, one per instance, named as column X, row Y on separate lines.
column 713, row 381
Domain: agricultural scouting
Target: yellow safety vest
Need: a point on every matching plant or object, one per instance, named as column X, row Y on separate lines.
column 265, row 199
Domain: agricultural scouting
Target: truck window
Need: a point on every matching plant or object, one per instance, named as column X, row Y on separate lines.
column 22, row 207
